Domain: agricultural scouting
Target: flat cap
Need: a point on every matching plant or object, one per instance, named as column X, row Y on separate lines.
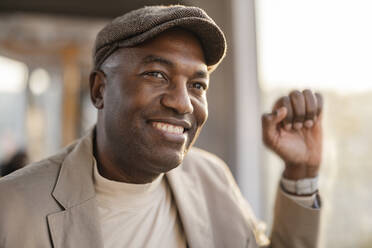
column 137, row 26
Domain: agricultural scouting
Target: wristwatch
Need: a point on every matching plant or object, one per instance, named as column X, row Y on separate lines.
column 306, row 186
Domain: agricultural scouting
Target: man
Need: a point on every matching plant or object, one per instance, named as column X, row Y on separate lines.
column 135, row 181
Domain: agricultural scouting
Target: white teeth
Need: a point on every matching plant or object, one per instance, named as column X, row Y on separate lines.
column 168, row 127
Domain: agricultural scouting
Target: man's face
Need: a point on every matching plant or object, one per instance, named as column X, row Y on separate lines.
column 154, row 101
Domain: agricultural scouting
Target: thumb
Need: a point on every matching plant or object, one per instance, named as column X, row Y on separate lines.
column 274, row 118
column 270, row 122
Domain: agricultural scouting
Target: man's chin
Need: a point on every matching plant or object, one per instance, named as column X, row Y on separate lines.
column 167, row 162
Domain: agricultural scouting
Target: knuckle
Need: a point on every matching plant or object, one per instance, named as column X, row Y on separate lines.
column 319, row 97
column 264, row 118
column 286, row 102
column 295, row 94
column 307, row 92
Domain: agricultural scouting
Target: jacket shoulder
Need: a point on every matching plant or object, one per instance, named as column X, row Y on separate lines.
column 32, row 181
column 26, row 199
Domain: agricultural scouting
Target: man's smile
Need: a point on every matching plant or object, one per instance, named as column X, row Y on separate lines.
column 172, row 130
column 169, row 128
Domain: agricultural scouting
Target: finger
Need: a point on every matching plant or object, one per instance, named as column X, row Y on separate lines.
column 299, row 110
column 319, row 103
column 270, row 123
column 311, row 108
column 285, row 102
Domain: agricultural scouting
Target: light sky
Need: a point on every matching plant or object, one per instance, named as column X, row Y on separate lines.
column 323, row 44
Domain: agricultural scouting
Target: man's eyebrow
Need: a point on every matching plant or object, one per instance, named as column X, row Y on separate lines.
column 201, row 74
column 156, row 59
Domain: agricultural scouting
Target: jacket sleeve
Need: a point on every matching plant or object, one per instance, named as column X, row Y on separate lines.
column 294, row 225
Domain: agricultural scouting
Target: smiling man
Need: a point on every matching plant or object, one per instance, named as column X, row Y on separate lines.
column 135, row 180
column 152, row 104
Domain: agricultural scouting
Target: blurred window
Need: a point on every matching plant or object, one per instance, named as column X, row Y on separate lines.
column 325, row 45
column 30, row 109
column 44, row 113
column 39, row 81
column 12, row 106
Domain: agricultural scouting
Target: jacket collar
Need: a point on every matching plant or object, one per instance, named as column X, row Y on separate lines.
column 78, row 225
column 75, row 183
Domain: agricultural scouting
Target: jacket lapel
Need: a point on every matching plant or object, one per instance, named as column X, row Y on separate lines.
column 192, row 209
column 77, row 225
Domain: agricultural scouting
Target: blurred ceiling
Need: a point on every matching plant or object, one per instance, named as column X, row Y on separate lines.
column 79, row 8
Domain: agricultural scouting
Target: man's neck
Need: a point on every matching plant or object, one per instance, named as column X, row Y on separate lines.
column 119, row 174
column 120, row 171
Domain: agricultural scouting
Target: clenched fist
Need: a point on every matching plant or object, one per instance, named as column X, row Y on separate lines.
column 293, row 131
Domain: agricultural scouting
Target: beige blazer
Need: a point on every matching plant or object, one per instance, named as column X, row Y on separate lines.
column 52, row 204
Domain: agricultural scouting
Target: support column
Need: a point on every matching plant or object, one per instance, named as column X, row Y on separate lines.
column 71, row 91
column 247, row 103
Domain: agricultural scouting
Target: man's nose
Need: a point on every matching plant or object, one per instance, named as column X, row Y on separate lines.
column 177, row 98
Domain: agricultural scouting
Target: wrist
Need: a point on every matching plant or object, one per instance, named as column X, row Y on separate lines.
column 297, row 172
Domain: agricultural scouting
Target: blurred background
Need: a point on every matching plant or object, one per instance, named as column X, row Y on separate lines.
column 274, row 46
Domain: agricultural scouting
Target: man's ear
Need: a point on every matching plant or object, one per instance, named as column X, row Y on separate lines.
column 97, row 83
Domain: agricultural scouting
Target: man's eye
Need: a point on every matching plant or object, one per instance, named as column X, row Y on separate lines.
column 155, row 74
column 199, row 86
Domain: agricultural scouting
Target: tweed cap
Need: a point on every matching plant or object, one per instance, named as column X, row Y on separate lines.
column 139, row 25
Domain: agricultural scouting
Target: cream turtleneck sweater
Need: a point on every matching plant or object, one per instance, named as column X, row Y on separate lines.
column 137, row 215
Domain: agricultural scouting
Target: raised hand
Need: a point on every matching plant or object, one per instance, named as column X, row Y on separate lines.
column 293, row 131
